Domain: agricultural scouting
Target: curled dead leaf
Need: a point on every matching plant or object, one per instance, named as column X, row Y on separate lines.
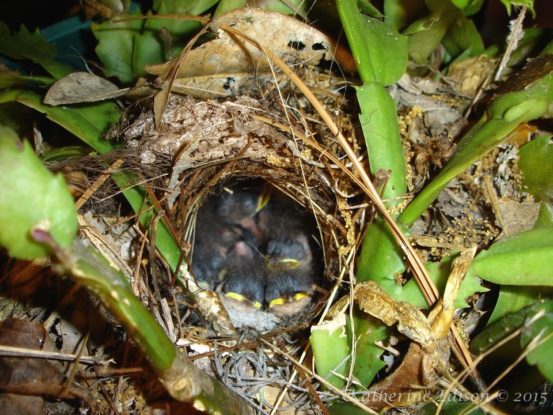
column 82, row 87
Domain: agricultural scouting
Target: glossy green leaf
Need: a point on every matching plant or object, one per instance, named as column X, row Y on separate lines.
column 345, row 408
column 513, row 298
column 31, row 198
column 127, row 46
column 468, row 7
column 522, row 259
column 509, row 4
column 380, row 258
column 500, row 329
column 384, row 64
column 545, row 216
column 11, row 79
column 87, row 122
column 452, row 406
column 32, row 46
column 439, row 274
column 381, row 132
column 399, row 14
column 225, row 6
column 463, row 38
column 367, row 332
column 540, row 329
column 532, row 100
column 331, row 351
column 535, row 163
column 290, row 8
column 426, row 34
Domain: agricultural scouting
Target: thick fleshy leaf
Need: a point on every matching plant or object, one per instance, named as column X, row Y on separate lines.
column 468, row 7
column 426, row 34
column 514, row 298
column 500, row 329
column 31, row 198
column 331, row 351
column 87, row 122
column 367, row 354
column 463, row 38
column 379, row 50
column 519, row 3
column 522, row 259
column 399, row 14
column 32, row 46
column 127, row 46
column 531, row 99
column 535, row 162
column 540, row 330
column 381, row 131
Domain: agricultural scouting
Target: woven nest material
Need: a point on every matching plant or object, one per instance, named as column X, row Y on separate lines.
column 212, row 142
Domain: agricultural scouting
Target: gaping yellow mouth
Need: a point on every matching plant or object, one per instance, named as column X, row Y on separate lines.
column 263, row 198
column 285, row 263
column 243, row 299
column 282, row 300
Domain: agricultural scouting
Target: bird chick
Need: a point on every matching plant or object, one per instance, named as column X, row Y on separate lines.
column 290, row 273
column 214, row 240
column 240, row 207
column 245, row 276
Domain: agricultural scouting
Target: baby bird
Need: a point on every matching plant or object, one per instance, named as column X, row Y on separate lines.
column 245, row 276
column 240, row 207
column 214, row 239
column 290, row 272
column 223, row 220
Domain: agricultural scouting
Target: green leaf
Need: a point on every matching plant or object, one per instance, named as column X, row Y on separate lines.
column 87, row 122
column 384, row 64
column 345, row 408
column 463, row 38
column 439, row 274
column 512, row 299
column 126, row 47
column 331, row 351
column 290, row 7
column 11, row 79
column 545, row 217
column 367, row 354
column 380, row 259
column 426, row 34
column 522, row 259
column 381, row 132
column 537, row 169
column 225, row 6
column 500, row 329
column 519, row 3
column 540, row 329
column 399, row 14
column 531, row 100
column 32, row 46
column 468, row 7
column 31, row 197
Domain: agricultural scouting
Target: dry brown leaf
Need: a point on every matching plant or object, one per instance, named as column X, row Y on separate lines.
column 82, row 87
column 288, row 38
column 516, row 216
column 410, row 321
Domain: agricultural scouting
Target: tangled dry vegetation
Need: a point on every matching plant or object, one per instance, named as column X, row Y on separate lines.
column 180, row 151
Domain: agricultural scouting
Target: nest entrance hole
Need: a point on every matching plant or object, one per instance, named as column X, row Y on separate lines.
column 260, row 250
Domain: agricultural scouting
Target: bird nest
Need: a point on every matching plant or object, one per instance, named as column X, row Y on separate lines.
column 251, row 138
